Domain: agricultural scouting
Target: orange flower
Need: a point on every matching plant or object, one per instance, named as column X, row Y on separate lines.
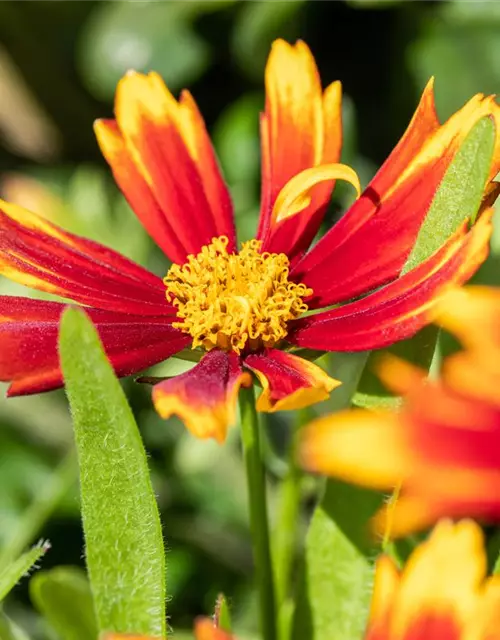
column 444, row 443
column 442, row 592
column 243, row 310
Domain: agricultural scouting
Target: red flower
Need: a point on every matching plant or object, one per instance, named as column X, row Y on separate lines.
column 443, row 446
column 441, row 594
column 242, row 307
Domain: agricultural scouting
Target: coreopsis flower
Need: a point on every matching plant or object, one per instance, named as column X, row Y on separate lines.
column 443, row 445
column 243, row 310
column 441, row 594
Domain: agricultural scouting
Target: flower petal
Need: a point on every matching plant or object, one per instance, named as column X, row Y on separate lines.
column 473, row 315
column 40, row 255
column 358, row 446
column 205, row 397
column 359, row 253
column 288, row 382
column 164, row 163
column 400, row 309
column 291, row 227
column 300, row 128
column 28, row 342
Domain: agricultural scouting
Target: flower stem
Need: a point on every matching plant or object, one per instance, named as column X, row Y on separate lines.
column 257, row 500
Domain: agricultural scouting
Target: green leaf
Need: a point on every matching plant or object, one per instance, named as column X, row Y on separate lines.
column 334, row 588
column 63, row 597
column 11, row 575
column 124, row 544
column 222, row 617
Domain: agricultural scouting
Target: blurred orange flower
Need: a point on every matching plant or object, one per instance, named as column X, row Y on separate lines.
column 441, row 594
column 444, row 443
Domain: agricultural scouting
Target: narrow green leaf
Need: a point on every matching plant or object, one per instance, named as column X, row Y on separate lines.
column 11, row 575
column 334, row 588
column 63, row 597
column 124, row 544
column 222, row 617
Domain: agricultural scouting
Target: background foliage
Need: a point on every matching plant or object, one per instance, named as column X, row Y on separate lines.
column 59, row 64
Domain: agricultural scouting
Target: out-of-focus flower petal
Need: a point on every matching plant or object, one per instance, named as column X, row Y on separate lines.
column 358, row 446
column 300, row 128
column 40, row 255
column 473, row 315
column 369, row 246
column 28, row 337
column 288, row 381
column 204, row 397
column 443, row 445
column 442, row 592
column 205, row 629
column 163, row 161
column 401, row 308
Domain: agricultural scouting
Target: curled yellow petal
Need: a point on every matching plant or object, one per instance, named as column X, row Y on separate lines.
column 296, row 195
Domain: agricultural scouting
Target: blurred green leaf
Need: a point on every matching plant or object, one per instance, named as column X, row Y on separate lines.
column 143, row 36
column 13, row 572
column 472, row 13
column 236, row 138
column 9, row 629
column 63, row 597
column 46, row 499
column 459, row 45
column 124, row 544
column 258, row 24
column 373, row 4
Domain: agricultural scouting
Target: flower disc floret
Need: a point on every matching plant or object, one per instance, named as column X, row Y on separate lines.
column 235, row 301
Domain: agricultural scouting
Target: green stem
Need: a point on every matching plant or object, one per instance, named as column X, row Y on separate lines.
column 257, row 500
column 284, row 536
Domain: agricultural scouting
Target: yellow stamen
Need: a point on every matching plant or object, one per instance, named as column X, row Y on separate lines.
column 235, row 300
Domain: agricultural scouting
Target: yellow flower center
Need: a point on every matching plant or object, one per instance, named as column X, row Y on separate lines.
column 234, row 300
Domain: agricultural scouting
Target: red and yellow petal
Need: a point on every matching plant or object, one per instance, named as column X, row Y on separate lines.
column 400, row 309
column 40, row 255
column 163, row 161
column 292, row 228
column 301, row 128
column 29, row 328
column 360, row 249
column 440, row 591
column 288, row 382
column 205, row 397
